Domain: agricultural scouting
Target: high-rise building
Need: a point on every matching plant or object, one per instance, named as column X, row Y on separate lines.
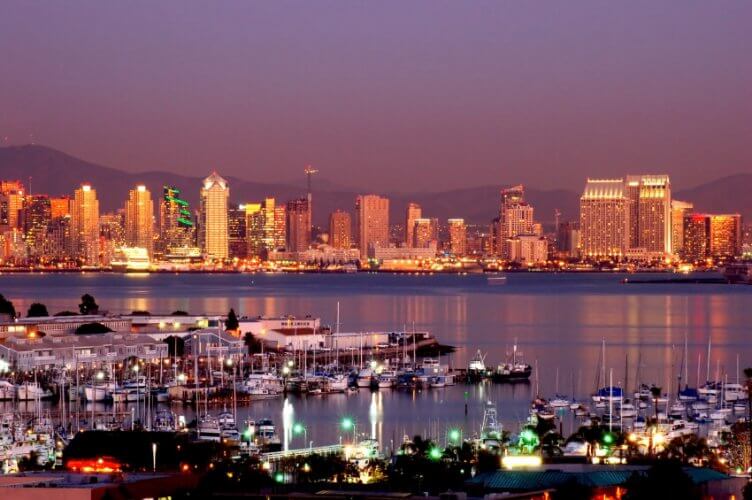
column 515, row 217
column 60, row 206
column 237, row 231
column 412, row 213
column 423, row 233
column 528, row 249
column 696, row 237
column 725, row 235
column 679, row 209
column 457, row 237
column 176, row 228
column 36, row 218
column 254, row 228
column 213, row 233
column 85, row 225
column 603, row 219
column 266, row 228
column 372, row 221
column 11, row 205
column 58, row 243
column 648, row 200
column 112, row 227
column 298, row 226
column 139, row 219
column 340, row 229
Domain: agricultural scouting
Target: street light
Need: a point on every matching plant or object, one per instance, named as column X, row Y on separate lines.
column 347, row 423
column 299, row 429
column 455, row 435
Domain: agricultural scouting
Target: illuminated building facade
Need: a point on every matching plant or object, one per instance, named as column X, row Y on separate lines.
column 85, row 225
column 60, row 206
column 176, row 228
column 372, row 221
column 36, row 219
column 298, row 227
column 139, row 219
column 237, row 232
column 528, row 249
column 648, row 200
column 679, row 210
column 11, row 204
column 412, row 213
column 696, row 238
column 457, row 237
column 266, row 231
column 213, row 234
column 725, row 235
column 515, row 218
column 603, row 219
column 340, row 229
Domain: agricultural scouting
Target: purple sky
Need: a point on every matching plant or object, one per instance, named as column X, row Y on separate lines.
column 403, row 95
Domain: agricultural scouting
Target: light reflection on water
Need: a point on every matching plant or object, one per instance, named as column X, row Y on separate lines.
column 559, row 322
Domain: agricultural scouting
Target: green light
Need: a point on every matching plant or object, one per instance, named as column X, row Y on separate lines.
column 529, row 438
column 608, row 438
column 279, row 477
column 298, row 428
column 248, row 433
column 434, row 453
column 347, row 423
column 454, row 435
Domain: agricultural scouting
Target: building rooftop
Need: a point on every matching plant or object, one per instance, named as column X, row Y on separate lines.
column 603, row 189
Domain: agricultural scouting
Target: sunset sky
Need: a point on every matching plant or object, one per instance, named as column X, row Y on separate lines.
column 389, row 95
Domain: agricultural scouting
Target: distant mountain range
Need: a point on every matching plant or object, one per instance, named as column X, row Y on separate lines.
column 57, row 173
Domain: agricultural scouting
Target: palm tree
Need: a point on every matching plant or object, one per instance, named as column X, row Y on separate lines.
column 656, row 393
column 748, row 376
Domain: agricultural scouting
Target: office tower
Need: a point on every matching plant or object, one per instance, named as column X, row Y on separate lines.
column 253, row 228
column 340, row 229
column 413, row 212
column 528, row 249
column 11, row 204
column 176, row 228
column 85, row 225
column 696, row 237
column 648, row 199
column 725, row 235
column 213, row 235
column 139, row 219
column 423, row 233
column 266, row 228
column 679, row 209
column 60, row 206
column 515, row 217
column 298, row 227
column 457, row 237
column 372, row 222
column 237, row 232
column 36, row 218
column 58, row 244
column 112, row 228
column 603, row 219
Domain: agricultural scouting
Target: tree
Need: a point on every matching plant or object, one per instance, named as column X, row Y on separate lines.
column 663, row 480
column 37, row 310
column 179, row 312
column 175, row 346
column 89, row 328
column 88, row 305
column 253, row 344
column 6, row 307
column 748, row 375
column 66, row 313
column 232, row 321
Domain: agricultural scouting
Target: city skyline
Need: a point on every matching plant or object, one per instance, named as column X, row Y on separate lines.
column 405, row 100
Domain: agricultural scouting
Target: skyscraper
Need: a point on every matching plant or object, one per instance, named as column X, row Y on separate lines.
column 515, row 218
column 266, row 227
column 725, row 235
column 413, row 212
column 11, row 204
column 213, row 234
column 298, row 225
column 696, row 238
column 36, row 218
column 457, row 237
column 237, row 229
column 649, row 213
column 85, row 225
column 60, row 206
column 176, row 228
column 372, row 221
column 603, row 218
column 340, row 229
column 423, row 233
column 139, row 219
column 679, row 209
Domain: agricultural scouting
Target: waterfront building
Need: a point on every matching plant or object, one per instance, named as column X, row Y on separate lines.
column 85, row 225
column 237, row 231
column 603, row 219
column 696, row 237
column 424, row 233
column 13, row 247
column 213, row 233
column 725, row 235
column 112, row 230
column 412, row 213
column 457, row 237
column 176, row 228
column 253, row 228
column 515, row 218
column 266, row 229
column 372, row 222
column 36, row 219
column 679, row 210
column 139, row 219
column 11, row 204
column 528, row 249
column 298, row 227
column 340, row 229
column 58, row 243
column 393, row 252
column 648, row 202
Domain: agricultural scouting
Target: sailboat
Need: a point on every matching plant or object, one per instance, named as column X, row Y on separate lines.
column 608, row 393
column 558, row 401
column 687, row 393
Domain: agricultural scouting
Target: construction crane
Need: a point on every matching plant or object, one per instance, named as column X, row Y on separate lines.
column 309, row 171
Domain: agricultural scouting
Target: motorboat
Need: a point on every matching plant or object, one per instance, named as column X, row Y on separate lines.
column 628, row 410
column 32, row 391
column 558, row 402
column 7, row 391
column 365, row 377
